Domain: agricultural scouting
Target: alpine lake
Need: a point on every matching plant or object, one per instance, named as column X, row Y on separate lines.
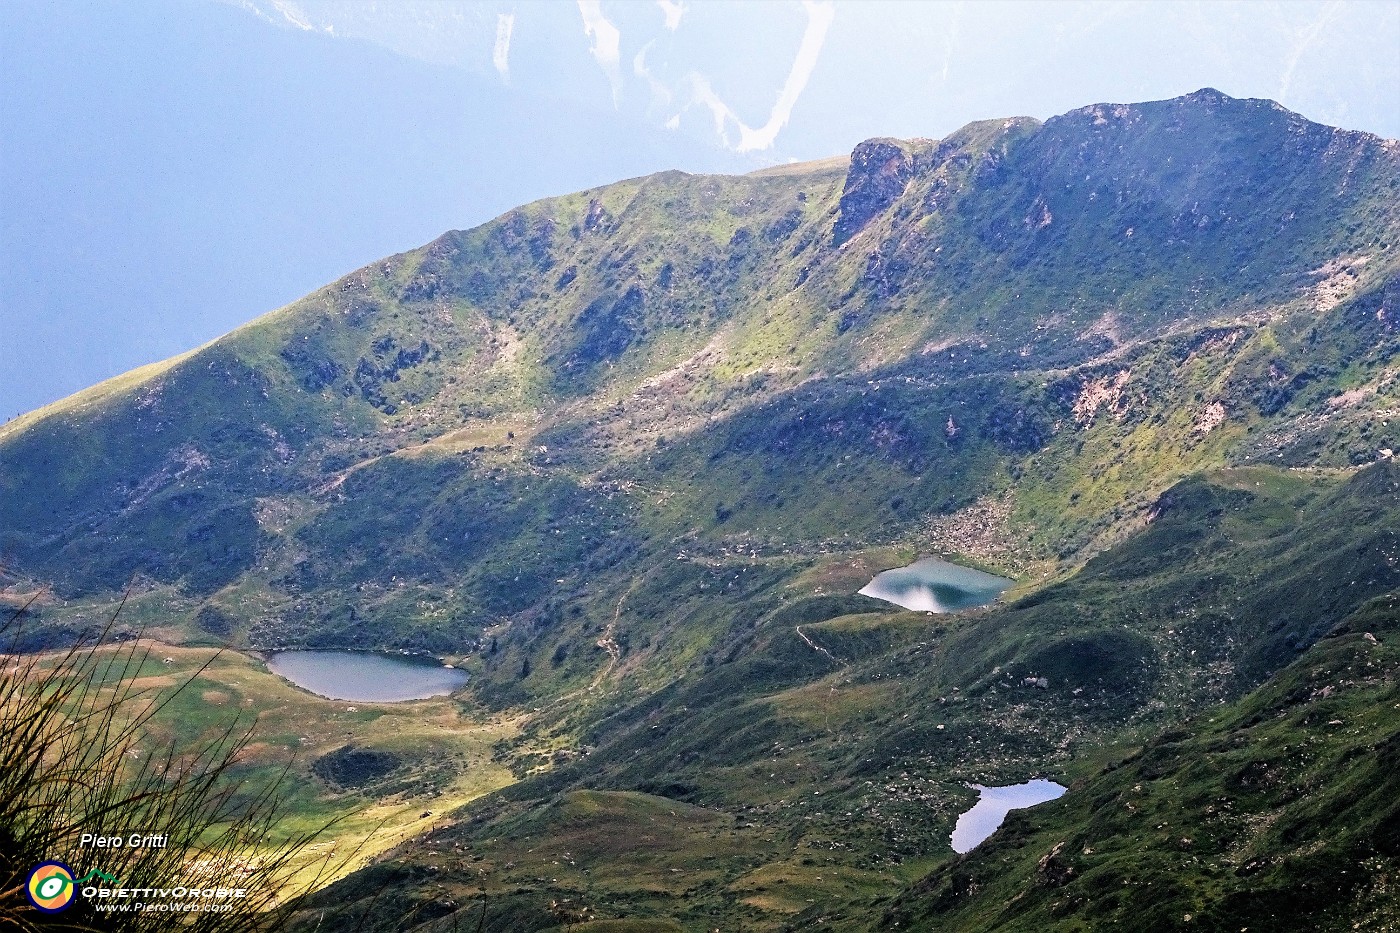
column 366, row 677
column 993, row 803
column 934, row 585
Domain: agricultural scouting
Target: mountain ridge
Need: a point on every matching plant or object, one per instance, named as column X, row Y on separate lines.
column 1207, row 96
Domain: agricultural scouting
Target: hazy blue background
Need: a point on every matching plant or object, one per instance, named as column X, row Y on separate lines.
column 171, row 169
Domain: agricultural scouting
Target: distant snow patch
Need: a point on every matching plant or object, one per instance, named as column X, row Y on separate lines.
column 607, row 42
column 673, row 11
column 660, row 93
column 819, row 17
column 294, row 15
column 500, row 56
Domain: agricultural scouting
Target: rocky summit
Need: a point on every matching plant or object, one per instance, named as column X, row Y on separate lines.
column 627, row 455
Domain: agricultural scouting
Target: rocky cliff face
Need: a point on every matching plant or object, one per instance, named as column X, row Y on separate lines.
column 880, row 171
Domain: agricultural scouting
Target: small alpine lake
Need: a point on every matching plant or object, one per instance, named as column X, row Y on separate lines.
column 933, row 585
column 991, row 808
column 365, row 676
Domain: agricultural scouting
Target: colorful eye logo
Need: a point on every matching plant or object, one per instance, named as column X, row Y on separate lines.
column 50, row 887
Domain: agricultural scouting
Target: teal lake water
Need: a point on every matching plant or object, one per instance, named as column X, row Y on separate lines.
column 992, row 806
column 933, row 585
column 365, row 677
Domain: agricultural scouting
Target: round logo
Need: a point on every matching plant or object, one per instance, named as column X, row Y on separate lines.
column 50, row 887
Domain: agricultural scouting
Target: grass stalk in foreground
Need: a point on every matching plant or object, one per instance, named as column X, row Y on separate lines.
column 72, row 761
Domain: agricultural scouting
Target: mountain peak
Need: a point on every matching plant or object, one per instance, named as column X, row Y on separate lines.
column 1207, row 95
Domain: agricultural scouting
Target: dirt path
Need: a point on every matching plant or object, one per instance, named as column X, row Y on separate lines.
column 816, row 647
column 609, row 642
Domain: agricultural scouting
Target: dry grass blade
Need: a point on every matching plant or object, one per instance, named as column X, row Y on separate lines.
column 72, row 761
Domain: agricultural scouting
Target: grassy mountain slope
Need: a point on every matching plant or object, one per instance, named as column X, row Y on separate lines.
column 627, row 454
column 603, row 324
column 825, row 767
column 1276, row 812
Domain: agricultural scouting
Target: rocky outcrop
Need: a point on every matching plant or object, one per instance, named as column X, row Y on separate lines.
column 880, row 171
